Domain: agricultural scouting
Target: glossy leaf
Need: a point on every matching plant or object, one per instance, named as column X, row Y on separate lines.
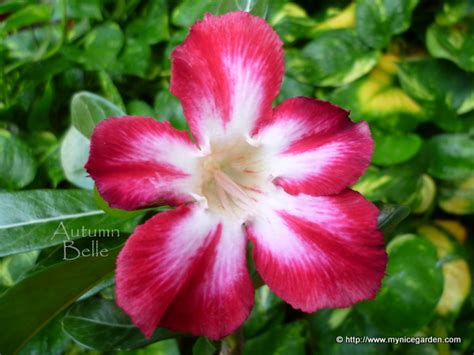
column 328, row 325
column 152, row 26
column 163, row 347
column 395, row 148
column 140, row 108
column 204, row 346
column 292, row 23
column 457, row 197
column 398, row 184
column 453, row 43
column 49, row 340
column 378, row 99
column 135, row 58
column 88, row 109
column 332, row 58
column 12, row 268
column 268, row 312
column 454, row 10
column 18, row 167
column 451, row 156
column 110, row 92
column 285, row 339
column 84, row 9
column 457, row 278
column 74, row 153
column 188, row 11
column 101, row 47
column 27, row 16
column 390, row 216
column 410, row 291
column 100, row 325
column 378, row 21
column 438, row 85
column 168, row 108
column 54, row 289
column 31, row 220
column 291, row 88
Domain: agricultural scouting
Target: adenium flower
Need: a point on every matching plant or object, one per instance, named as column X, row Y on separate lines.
column 275, row 177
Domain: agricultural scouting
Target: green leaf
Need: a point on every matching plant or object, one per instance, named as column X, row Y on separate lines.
column 292, row 23
column 52, row 165
column 288, row 339
column 140, row 108
column 332, row 58
column 35, row 219
column 453, row 43
column 329, row 324
column 84, row 9
column 378, row 99
column 398, row 184
column 151, row 25
column 457, row 197
column 74, row 153
column 100, row 325
column 135, row 58
column 204, row 346
column 441, row 87
column 109, row 90
column 38, row 119
column 451, row 156
column 17, row 162
column 13, row 267
column 37, row 73
column 168, row 108
column 50, row 340
column 454, row 10
column 29, row 15
column 188, row 11
column 410, row 291
column 88, row 109
column 390, row 215
column 35, row 43
column 164, row 347
column 395, row 148
column 291, row 88
column 101, row 47
column 378, row 20
column 268, row 312
column 54, row 289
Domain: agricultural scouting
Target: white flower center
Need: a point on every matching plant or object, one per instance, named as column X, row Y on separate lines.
column 232, row 178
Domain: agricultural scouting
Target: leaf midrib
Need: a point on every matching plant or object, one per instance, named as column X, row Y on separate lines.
column 52, row 219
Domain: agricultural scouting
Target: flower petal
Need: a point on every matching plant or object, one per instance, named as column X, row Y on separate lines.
column 226, row 74
column 318, row 252
column 314, row 148
column 185, row 270
column 138, row 161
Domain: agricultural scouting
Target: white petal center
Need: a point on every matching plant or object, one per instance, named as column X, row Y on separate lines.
column 233, row 178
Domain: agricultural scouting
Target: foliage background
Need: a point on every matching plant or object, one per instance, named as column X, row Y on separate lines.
column 406, row 66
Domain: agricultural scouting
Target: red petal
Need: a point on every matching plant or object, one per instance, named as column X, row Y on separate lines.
column 226, row 74
column 314, row 148
column 318, row 252
column 137, row 162
column 185, row 270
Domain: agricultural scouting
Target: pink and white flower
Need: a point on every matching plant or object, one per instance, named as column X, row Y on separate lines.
column 275, row 177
